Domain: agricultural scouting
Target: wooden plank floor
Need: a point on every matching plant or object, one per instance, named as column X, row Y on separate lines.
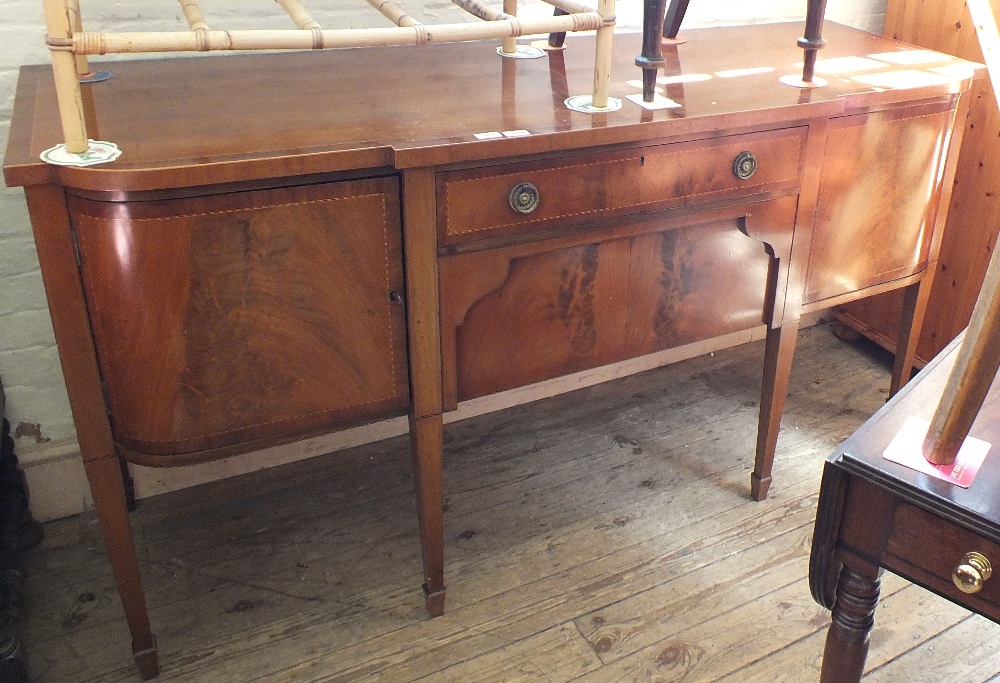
column 603, row 535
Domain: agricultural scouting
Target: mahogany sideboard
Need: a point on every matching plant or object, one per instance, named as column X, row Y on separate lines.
column 294, row 243
column 876, row 514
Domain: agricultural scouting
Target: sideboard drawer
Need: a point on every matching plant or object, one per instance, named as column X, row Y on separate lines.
column 514, row 199
column 926, row 548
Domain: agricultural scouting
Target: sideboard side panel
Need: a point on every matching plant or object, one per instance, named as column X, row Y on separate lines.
column 878, row 198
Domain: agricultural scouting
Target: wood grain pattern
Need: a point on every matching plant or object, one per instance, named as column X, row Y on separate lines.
column 974, row 209
column 207, row 312
column 567, row 307
column 869, row 228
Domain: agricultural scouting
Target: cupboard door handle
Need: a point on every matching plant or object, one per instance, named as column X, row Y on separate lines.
column 524, row 198
column 744, row 165
column 971, row 573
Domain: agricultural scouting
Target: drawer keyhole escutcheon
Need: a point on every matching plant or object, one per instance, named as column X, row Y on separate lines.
column 524, row 198
column 744, row 165
column 971, row 573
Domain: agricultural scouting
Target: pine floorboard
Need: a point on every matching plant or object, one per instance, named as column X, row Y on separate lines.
column 602, row 535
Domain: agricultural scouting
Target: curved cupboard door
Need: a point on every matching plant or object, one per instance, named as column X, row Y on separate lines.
column 878, row 198
column 247, row 317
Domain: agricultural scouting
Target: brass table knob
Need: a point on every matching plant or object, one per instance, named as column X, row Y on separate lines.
column 524, row 198
column 971, row 573
column 744, row 165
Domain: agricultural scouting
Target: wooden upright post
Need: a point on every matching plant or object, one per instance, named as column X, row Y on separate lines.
column 812, row 41
column 672, row 19
column 970, row 379
column 59, row 35
column 651, row 59
column 979, row 358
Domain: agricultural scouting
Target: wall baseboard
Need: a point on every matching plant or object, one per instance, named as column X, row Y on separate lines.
column 59, row 485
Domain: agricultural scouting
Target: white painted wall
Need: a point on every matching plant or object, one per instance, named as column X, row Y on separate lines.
column 29, row 364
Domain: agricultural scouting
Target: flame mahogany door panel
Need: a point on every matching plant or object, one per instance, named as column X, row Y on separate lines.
column 228, row 319
column 522, row 314
column 878, row 198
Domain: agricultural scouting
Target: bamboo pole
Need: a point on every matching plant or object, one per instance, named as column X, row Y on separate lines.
column 76, row 21
column 59, row 29
column 186, row 41
column 298, row 14
column 196, row 21
column 979, row 357
column 193, row 14
column 571, row 6
column 602, row 57
column 484, row 12
column 393, row 13
column 509, row 45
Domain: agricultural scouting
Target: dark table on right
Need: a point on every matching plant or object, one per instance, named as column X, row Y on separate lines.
column 875, row 514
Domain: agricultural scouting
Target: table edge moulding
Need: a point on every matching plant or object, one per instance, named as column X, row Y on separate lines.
column 283, row 249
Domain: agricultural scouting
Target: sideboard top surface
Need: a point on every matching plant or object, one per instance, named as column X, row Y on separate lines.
column 215, row 119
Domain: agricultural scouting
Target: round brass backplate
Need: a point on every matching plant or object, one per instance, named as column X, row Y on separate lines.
column 744, row 165
column 524, row 197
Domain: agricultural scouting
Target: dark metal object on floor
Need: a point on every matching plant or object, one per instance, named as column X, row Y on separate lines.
column 18, row 532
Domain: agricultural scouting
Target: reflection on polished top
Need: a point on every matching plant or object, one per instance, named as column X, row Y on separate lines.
column 381, row 107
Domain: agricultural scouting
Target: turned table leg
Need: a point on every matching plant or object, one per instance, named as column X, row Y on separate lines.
column 779, row 350
column 853, row 618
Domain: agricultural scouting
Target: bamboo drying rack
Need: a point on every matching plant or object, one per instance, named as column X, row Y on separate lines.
column 70, row 44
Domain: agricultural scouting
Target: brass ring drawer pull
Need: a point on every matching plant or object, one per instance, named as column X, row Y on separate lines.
column 971, row 573
column 524, row 198
column 744, row 165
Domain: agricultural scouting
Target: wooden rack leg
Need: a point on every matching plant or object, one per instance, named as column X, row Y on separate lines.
column 58, row 27
column 979, row 358
column 651, row 59
column 812, row 41
column 676, row 9
column 779, row 350
column 556, row 40
column 973, row 374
